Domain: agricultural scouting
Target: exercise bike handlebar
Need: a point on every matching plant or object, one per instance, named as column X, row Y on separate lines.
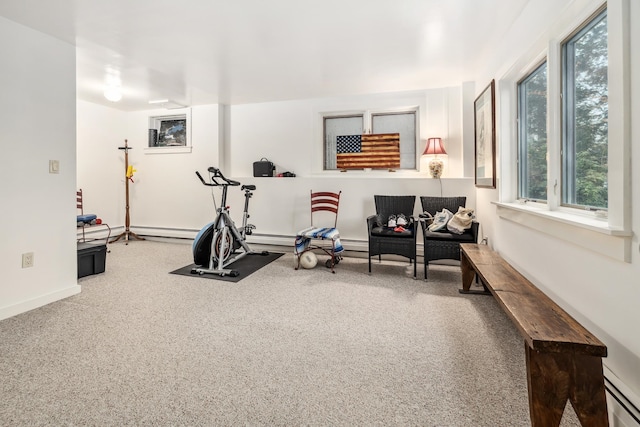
column 215, row 173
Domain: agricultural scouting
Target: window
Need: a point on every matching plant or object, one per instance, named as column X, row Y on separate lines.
column 170, row 133
column 588, row 132
column 532, row 135
column 405, row 125
column 401, row 122
column 335, row 126
column 585, row 111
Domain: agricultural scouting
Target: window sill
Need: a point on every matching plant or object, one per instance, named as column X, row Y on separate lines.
column 380, row 173
column 167, row 150
column 591, row 233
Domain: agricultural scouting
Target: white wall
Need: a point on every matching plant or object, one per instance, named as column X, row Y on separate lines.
column 167, row 199
column 100, row 131
column 165, row 196
column 166, row 192
column 38, row 107
column 600, row 292
column 290, row 135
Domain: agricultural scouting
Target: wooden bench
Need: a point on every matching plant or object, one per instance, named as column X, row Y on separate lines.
column 564, row 360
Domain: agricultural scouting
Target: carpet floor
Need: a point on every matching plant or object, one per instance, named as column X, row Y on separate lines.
column 140, row 346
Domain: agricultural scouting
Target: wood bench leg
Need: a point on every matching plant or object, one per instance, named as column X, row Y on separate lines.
column 468, row 273
column 587, row 395
column 555, row 377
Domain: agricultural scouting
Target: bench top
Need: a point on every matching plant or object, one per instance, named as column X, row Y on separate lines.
column 545, row 326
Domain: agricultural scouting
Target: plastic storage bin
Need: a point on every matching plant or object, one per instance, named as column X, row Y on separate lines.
column 91, row 258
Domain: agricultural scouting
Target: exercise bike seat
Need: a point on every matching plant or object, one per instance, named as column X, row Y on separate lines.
column 248, row 187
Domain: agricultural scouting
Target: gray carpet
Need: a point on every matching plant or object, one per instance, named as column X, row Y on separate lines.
column 140, row 346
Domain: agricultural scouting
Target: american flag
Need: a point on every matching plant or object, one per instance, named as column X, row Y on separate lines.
column 379, row 151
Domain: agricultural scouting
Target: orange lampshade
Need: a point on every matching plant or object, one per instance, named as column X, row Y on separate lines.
column 434, row 146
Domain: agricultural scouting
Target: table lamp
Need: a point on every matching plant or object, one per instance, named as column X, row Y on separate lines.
column 434, row 147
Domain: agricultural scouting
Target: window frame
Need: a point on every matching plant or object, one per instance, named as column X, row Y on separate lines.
column 568, row 109
column 367, row 116
column 522, row 143
column 324, row 132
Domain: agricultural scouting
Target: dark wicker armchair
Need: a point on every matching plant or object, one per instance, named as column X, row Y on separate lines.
column 383, row 239
column 443, row 244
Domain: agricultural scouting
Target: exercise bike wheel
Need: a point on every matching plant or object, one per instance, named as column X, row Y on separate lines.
column 228, row 247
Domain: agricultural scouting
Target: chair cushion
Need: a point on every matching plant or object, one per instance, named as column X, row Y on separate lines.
column 87, row 218
column 303, row 238
column 445, row 235
column 388, row 232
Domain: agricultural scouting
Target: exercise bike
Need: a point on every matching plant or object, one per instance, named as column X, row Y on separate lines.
column 215, row 246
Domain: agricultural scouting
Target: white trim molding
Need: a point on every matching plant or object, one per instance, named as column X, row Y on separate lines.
column 40, row 301
column 590, row 233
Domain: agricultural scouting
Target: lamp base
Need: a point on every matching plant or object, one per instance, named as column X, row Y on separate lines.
column 435, row 168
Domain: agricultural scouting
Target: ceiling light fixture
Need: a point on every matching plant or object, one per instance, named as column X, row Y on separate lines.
column 166, row 103
column 112, row 85
column 113, row 92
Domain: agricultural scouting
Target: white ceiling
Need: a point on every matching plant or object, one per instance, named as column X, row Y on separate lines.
column 246, row 51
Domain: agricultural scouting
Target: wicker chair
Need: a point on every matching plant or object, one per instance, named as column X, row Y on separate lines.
column 443, row 244
column 384, row 240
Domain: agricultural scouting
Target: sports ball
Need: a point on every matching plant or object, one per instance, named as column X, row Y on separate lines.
column 308, row 260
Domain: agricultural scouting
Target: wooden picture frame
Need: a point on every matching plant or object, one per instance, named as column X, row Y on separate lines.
column 484, row 114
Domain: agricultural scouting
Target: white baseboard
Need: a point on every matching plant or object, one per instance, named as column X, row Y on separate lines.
column 350, row 245
column 22, row 307
column 623, row 403
column 176, row 233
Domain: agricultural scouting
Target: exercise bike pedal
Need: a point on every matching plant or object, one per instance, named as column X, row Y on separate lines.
column 264, row 253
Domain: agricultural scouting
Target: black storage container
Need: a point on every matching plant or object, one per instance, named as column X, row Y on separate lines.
column 91, row 258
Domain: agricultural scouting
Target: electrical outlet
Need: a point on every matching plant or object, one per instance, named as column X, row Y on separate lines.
column 27, row 260
column 54, row 166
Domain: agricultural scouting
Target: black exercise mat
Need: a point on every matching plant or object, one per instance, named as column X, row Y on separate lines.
column 245, row 266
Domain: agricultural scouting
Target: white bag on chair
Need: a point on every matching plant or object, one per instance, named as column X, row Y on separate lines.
column 461, row 221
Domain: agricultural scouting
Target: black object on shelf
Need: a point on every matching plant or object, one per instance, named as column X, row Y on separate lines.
column 153, row 137
column 263, row 167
